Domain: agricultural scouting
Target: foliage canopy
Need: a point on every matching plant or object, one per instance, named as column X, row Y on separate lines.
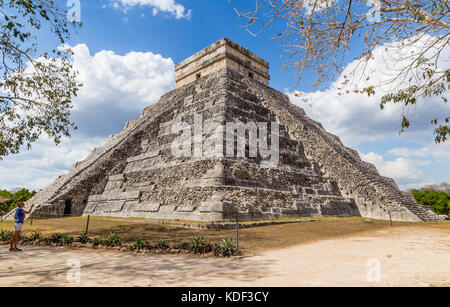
column 321, row 35
column 36, row 88
column 10, row 200
column 438, row 200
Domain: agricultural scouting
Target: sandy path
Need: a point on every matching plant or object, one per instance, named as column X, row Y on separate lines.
column 407, row 257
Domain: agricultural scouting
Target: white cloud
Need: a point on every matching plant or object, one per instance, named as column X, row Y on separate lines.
column 403, row 170
column 438, row 151
column 139, row 77
column 115, row 90
column 168, row 6
column 36, row 168
column 357, row 118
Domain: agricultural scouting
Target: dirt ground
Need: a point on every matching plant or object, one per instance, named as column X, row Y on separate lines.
column 252, row 240
column 404, row 256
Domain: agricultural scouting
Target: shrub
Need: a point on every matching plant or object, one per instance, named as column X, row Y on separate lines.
column 140, row 244
column 55, row 238
column 13, row 199
column 227, row 248
column 96, row 242
column 163, row 244
column 65, row 239
column 184, row 246
column 36, row 236
column 24, row 238
column 5, row 235
column 197, row 244
column 112, row 239
column 84, row 238
column 438, row 200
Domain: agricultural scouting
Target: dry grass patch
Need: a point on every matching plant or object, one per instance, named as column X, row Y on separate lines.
column 440, row 225
column 252, row 240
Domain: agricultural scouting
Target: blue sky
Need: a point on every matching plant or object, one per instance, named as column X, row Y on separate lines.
column 139, row 30
column 126, row 51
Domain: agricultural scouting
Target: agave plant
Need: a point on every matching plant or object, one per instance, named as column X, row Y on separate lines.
column 5, row 235
column 112, row 239
column 83, row 238
column 227, row 248
column 23, row 238
column 96, row 242
column 196, row 244
column 139, row 244
column 65, row 239
column 36, row 236
column 55, row 238
column 163, row 244
column 185, row 245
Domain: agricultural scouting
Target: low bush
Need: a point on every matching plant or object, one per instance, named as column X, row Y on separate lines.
column 438, row 200
column 55, row 238
column 140, row 244
column 36, row 236
column 197, row 243
column 66, row 240
column 24, row 238
column 96, row 242
column 163, row 244
column 6, row 235
column 112, row 239
column 184, row 246
column 83, row 238
column 227, row 248
column 199, row 246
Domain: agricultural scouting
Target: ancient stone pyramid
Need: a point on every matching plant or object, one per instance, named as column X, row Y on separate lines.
column 136, row 172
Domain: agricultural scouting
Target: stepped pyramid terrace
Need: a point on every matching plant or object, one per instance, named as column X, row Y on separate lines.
column 224, row 145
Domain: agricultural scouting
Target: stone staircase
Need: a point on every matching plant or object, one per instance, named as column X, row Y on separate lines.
column 365, row 183
column 134, row 174
column 47, row 196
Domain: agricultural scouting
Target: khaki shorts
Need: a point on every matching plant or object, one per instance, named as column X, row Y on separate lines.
column 18, row 226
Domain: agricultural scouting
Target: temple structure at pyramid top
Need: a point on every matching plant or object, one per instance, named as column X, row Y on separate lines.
column 222, row 54
column 224, row 145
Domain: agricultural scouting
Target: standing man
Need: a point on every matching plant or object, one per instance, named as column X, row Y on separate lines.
column 20, row 218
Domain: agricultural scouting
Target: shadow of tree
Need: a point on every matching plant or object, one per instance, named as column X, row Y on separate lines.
column 47, row 266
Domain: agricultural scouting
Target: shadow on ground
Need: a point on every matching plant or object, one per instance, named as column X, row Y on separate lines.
column 48, row 266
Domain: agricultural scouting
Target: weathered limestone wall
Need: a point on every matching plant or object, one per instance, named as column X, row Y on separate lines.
column 221, row 54
column 136, row 174
column 154, row 184
column 374, row 195
column 91, row 175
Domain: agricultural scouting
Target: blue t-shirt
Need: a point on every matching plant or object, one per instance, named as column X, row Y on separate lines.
column 20, row 216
